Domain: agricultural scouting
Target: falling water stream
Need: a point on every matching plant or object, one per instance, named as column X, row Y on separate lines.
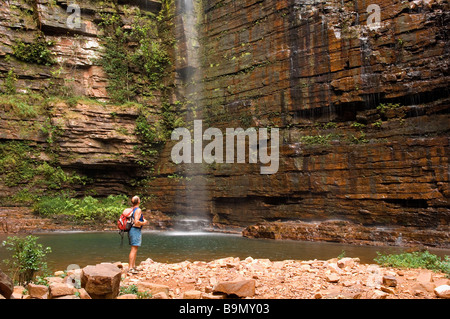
column 192, row 199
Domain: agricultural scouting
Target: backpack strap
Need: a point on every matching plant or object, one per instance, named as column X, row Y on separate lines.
column 132, row 212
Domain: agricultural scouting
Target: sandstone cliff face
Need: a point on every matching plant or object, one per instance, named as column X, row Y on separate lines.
column 56, row 108
column 362, row 109
column 358, row 90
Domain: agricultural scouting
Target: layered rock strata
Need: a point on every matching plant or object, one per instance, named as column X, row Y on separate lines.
column 361, row 104
column 359, row 92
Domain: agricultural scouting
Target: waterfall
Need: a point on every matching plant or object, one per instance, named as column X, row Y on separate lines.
column 192, row 200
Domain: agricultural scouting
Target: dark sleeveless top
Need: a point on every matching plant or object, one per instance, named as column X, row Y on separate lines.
column 140, row 219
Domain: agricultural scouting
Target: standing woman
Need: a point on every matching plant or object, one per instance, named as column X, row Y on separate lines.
column 135, row 233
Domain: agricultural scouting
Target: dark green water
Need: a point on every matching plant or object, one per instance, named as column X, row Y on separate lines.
column 86, row 248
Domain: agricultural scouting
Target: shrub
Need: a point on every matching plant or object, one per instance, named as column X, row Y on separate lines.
column 358, row 139
column 383, row 108
column 358, row 126
column 135, row 69
column 133, row 289
column 27, row 258
column 36, row 52
column 415, row 259
column 319, row 139
column 84, row 209
column 10, row 82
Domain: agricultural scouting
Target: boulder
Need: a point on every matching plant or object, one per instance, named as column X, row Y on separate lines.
column 18, row 292
column 240, row 288
column 60, row 289
column 152, row 288
column 6, row 285
column 101, row 281
column 443, row 291
column 37, row 291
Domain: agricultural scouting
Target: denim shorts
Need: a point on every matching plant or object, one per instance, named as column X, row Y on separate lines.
column 135, row 237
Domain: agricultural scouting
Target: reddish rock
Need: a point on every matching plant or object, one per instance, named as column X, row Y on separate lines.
column 60, row 289
column 240, row 288
column 37, row 291
column 101, row 281
column 6, row 285
column 390, row 281
column 443, row 291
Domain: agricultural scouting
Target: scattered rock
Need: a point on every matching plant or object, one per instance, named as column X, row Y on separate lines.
column 60, row 289
column 333, row 267
column 101, row 281
column 390, row 281
column 6, row 285
column 378, row 294
column 160, row 295
column 287, row 280
column 152, row 288
column 240, row 288
column 18, row 292
column 425, row 276
column 443, row 291
column 333, row 278
column 388, row 290
column 345, row 262
column 37, row 291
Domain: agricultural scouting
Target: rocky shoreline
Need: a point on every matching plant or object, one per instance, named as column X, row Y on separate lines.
column 231, row 277
column 351, row 233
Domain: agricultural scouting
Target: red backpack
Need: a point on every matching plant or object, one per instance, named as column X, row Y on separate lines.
column 125, row 222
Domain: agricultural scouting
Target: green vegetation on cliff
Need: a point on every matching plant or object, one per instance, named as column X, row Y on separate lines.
column 37, row 52
column 83, row 209
column 136, row 56
column 31, row 177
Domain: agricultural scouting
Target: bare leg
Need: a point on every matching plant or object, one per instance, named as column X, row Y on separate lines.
column 132, row 257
